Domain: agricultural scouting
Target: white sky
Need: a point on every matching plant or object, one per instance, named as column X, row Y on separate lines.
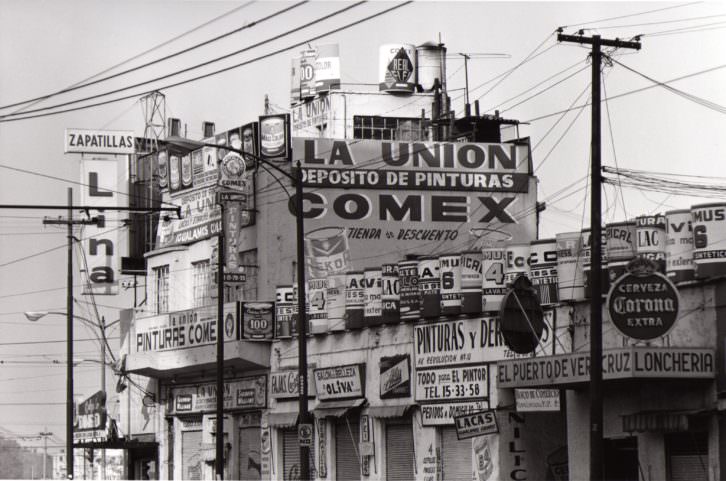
column 46, row 46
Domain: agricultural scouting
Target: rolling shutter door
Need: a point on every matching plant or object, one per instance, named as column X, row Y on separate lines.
column 191, row 455
column 399, row 452
column 687, row 456
column 456, row 455
column 291, row 455
column 249, row 454
column 347, row 436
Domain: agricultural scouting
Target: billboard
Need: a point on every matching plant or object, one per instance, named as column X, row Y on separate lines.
column 399, row 198
column 86, row 141
column 100, row 242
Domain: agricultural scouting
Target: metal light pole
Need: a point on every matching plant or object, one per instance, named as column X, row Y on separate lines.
column 189, row 145
column 35, row 315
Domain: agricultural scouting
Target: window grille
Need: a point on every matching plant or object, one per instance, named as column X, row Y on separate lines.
column 161, row 289
column 202, row 283
column 389, row 128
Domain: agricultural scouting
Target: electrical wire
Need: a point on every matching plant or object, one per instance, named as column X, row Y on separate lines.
column 612, row 141
column 159, row 60
column 630, row 15
column 630, row 92
column 10, row 117
column 698, row 100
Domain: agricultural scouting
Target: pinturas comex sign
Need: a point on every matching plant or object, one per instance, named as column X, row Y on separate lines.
column 643, row 304
column 85, row 141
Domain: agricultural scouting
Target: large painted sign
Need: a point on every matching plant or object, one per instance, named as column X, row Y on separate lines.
column 184, row 329
column 87, row 141
column 395, row 198
column 200, row 219
column 100, row 243
column 243, row 393
column 626, row 363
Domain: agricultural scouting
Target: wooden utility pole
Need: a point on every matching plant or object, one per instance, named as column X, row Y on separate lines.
column 596, row 390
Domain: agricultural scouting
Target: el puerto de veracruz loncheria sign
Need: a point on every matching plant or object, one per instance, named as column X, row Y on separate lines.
column 643, row 304
column 394, row 198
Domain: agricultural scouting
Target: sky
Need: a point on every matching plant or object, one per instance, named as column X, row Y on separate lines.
column 47, row 46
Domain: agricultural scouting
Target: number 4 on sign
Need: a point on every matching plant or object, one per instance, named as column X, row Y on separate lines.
column 318, row 300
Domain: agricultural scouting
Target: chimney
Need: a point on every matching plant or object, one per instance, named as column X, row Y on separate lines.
column 174, row 127
column 208, row 129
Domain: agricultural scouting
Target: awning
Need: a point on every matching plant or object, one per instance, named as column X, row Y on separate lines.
column 283, row 419
column 337, row 409
column 388, row 411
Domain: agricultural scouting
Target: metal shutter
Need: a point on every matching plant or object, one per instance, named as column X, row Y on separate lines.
column 249, row 454
column 399, row 452
column 291, row 455
column 689, row 468
column 191, row 455
column 456, row 456
column 347, row 437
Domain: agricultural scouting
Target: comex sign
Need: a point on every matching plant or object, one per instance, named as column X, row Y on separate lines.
column 643, row 304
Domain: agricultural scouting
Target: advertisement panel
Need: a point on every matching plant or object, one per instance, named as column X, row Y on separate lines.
column 339, row 382
column 455, row 383
column 86, row 141
column 100, row 243
column 184, row 329
column 307, row 118
column 327, row 68
column 91, row 417
column 257, row 320
column 285, row 384
column 393, row 198
column 444, row 414
column 395, row 375
column 476, row 424
column 626, row 363
column 200, row 219
column 243, row 393
column 537, row 400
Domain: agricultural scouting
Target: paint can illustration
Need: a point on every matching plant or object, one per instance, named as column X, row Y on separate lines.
column 679, row 246
column 373, row 307
column 390, row 293
column 570, row 278
column 709, row 240
column 354, row 299
column 517, row 261
column 326, row 251
column 283, row 312
column 429, row 284
column 409, row 297
column 317, row 294
column 450, row 277
column 336, row 302
column 543, row 269
column 472, row 300
column 650, row 239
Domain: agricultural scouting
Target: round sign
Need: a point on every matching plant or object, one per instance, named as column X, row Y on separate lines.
column 643, row 304
column 305, row 434
column 522, row 317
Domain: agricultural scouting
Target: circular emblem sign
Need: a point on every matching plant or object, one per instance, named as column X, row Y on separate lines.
column 643, row 304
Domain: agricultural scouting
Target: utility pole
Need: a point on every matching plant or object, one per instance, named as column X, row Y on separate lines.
column 70, row 222
column 596, row 390
column 103, row 386
column 45, row 435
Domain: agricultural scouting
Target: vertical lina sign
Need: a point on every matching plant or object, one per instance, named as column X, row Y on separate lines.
column 100, row 244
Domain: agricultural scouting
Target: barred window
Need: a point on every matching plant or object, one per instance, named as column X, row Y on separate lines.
column 388, row 128
column 202, row 283
column 161, row 289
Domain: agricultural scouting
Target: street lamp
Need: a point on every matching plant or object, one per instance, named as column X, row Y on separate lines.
column 34, row 316
column 190, row 145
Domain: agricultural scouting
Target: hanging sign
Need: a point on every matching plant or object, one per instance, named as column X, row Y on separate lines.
column 476, row 424
column 643, row 304
column 85, row 141
column 243, row 393
column 340, row 382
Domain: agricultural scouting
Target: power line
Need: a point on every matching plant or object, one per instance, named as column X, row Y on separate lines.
column 199, row 65
column 156, row 47
column 630, row 15
column 24, row 343
column 698, row 100
column 216, row 72
column 694, row 74
column 153, row 62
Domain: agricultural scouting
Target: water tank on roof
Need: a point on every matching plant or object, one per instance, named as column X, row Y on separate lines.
column 397, row 68
column 431, row 65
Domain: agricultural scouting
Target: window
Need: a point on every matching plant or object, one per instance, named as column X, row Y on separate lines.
column 388, row 128
column 161, row 289
column 202, row 283
column 248, row 260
